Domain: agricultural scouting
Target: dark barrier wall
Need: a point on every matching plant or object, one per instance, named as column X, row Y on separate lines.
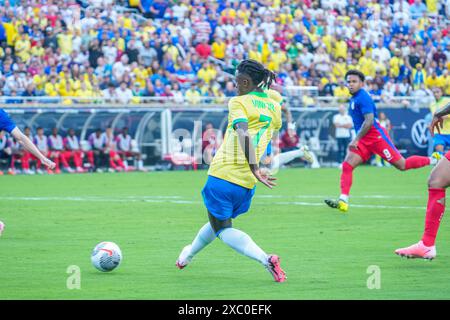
column 314, row 126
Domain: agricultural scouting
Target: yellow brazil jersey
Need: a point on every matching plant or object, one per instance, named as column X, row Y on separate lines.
column 263, row 116
column 437, row 106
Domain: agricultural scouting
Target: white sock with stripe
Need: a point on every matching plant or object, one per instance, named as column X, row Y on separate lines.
column 242, row 243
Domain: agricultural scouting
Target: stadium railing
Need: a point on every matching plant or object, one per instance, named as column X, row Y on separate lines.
column 198, row 102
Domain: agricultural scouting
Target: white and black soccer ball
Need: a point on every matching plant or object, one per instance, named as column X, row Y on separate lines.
column 106, row 256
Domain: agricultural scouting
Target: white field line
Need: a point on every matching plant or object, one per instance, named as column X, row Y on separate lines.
column 179, row 200
column 373, row 196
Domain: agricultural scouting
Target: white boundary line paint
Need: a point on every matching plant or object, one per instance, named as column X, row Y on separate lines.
column 179, row 200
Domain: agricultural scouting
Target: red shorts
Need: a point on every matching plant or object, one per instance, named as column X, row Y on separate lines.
column 447, row 155
column 377, row 141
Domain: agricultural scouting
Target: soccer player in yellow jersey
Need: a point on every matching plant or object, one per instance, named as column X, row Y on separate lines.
column 253, row 118
column 441, row 140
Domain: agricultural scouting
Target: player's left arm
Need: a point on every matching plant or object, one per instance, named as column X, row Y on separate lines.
column 367, row 124
column 29, row 146
column 245, row 142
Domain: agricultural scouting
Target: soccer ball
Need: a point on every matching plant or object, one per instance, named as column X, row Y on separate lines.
column 106, row 256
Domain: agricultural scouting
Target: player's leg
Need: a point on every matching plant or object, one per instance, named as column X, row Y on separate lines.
column 65, row 158
column 205, row 236
column 118, row 160
column 386, row 149
column 438, row 181
column 78, row 160
column 139, row 161
column 25, row 159
column 353, row 159
column 12, row 165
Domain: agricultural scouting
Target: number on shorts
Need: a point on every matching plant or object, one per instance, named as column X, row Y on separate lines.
column 387, row 154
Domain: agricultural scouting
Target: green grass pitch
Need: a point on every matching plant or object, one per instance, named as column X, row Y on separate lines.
column 53, row 222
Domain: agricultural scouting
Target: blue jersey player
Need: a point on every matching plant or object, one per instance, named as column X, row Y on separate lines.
column 371, row 138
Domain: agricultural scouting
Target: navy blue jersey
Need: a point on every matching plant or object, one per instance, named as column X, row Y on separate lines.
column 360, row 104
column 6, row 123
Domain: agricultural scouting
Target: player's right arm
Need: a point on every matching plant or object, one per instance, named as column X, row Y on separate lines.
column 239, row 122
column 367, row 124
column 245, row 142
column 367, row 107
column 29, row 146
column 438, row 120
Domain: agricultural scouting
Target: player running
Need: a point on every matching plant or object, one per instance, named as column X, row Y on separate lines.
column 371, row 139
column 252, row 119
column 438, row 181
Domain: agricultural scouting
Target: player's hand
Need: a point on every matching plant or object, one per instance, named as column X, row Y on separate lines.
column 48, row 163
column 264, row 177
column 353, row 145
column 436, row 123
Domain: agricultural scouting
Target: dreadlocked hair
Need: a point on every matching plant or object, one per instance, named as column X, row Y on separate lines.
column 260, row 76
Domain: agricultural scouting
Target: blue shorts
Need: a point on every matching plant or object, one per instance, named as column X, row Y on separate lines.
column 441, row 139
column 225, row 200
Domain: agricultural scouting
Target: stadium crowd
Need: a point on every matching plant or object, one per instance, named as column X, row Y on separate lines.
column 180, row 48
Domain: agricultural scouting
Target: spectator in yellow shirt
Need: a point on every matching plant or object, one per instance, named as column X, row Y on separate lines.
column 207, row 73
column 340, row 68
column 434, row 81
column 340, row 48
column 418, row 76
column 65, row 42
column 193, row 95
column 83, row 92
column 51, row 88
column 22, row 48
column 218, row 48
column 277, row 58
column 341, row 92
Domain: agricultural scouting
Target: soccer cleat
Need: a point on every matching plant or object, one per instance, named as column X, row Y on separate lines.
column 184, row 259
column 435, row 157
column 307, row 156
column 11, row 172
column 80, row 170
column 274, row 268
column 337, row 204
column 417, row 250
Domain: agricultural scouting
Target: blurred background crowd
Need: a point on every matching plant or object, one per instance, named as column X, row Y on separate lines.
column 125, row 51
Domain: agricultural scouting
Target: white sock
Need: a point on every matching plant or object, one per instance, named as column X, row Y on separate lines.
column 140, row 164
column 344, row 197
column 285, row 157
column 204, row 237
column 242, row 243
column 125, row 162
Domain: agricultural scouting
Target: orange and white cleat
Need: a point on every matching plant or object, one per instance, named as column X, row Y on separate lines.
column 274, row 268
column 184, row 259
column 418, row 250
